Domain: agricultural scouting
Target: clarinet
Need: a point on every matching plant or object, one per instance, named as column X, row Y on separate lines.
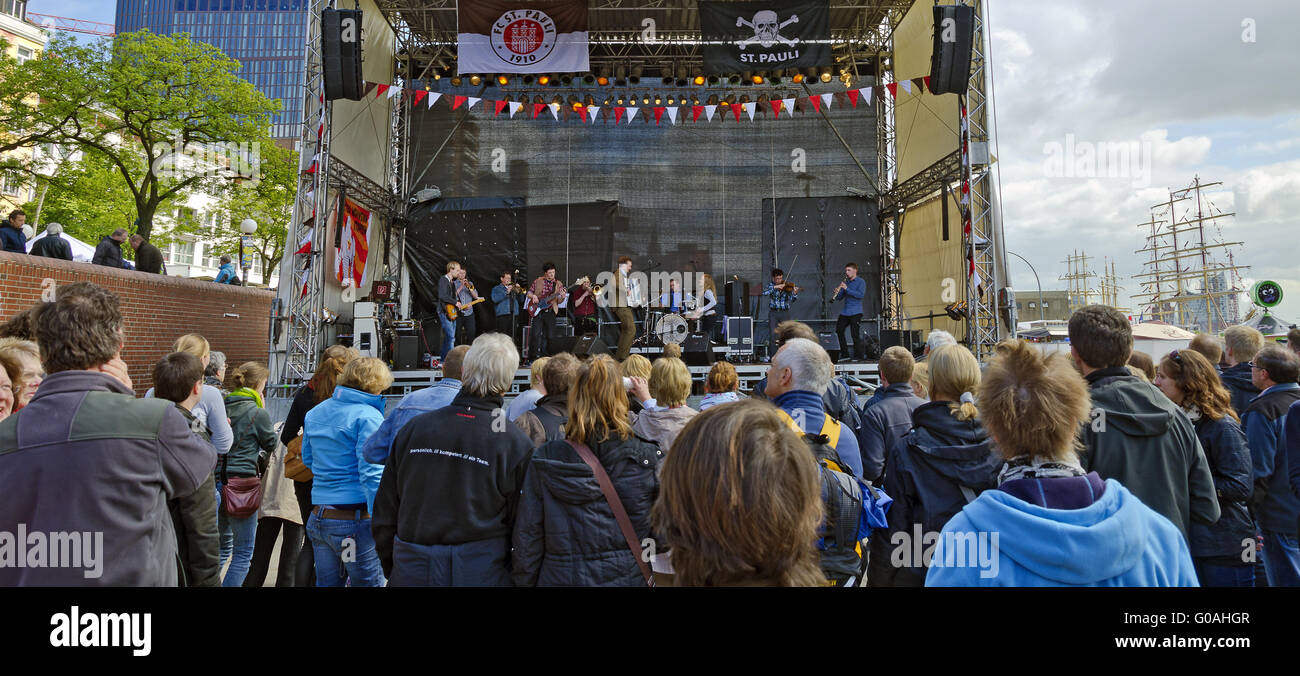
column 832, row 299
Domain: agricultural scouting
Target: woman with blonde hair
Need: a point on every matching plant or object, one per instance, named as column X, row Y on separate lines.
column 333, row 360
column 247, row 458
column 566, row 533
column 937, row 467
column 721, row 386
column 343, row 483
column 1049, row 522
column 28, row 357
column 663, row 399
column 740, row 501
column 1191, row 381
column 635, row 366
column 921, row 380
column 9, row 390
column 211, row 409
column 707, row 312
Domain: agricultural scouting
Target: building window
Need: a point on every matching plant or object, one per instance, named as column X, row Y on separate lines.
column 181, row 253
column 13, row 186
column 1032, row 305
column 1044, row 304
column 24, row 55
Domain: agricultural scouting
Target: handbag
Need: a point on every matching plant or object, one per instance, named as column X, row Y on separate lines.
column 620, row 514
column 294, row 468
column 240, row 496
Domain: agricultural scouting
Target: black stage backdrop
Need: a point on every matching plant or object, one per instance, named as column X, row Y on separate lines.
column 689, row 197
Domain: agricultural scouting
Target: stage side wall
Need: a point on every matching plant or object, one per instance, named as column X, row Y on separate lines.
column 156, row 309
column 927, row 260
column 927, row 124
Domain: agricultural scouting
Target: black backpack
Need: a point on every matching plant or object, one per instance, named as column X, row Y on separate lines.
column 553, row 424
column 841, row 552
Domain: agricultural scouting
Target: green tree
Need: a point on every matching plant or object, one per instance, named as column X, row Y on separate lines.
column 267, row 200
column 88, row 196
column 145, row 103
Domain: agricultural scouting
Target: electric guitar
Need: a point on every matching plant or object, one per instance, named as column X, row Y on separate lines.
column 453, row 313
column 551, row 301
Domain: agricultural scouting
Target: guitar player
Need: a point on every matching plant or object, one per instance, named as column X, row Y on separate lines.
column 546, row 292
column 447, row 295
column 468, row 298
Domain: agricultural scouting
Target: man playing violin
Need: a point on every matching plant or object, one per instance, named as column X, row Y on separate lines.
column 780, row 295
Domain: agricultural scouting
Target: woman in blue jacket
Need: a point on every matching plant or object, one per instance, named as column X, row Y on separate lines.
column 1190, row 381
column 1049, row 523
column 343, row 483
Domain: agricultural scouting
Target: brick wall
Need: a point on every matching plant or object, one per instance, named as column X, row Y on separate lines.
column 157, row 309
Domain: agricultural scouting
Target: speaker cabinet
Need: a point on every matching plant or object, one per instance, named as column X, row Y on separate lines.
column 341, row 54
column 737, row 299
column 406, row 352
column 697, row 350
column 831, row 343
column 590, row 345
column 740, row 335
column 954, row 35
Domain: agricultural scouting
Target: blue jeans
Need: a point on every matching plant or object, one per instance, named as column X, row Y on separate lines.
column 448, row 335
column 238, row 537
column 1211, row 575
column 345, row 553
column 1281, row 559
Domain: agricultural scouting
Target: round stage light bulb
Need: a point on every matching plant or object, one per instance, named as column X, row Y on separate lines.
column 544, row 80
column 602, row 81
column 826, row 77
column 699, row 80
column 503, row 80
column 757, row 79
column 475, row 80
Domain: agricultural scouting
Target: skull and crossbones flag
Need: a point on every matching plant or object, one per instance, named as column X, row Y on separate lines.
column 510, row 36
column 765, row 35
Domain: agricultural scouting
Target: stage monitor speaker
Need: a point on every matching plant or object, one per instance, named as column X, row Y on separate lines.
column 697, row 350
column 562, row 328
column 831, row 343
column 558, row 344
column 954, row 35
column 341, row 54
column 908, row 339
column 737, row 299
column 406, row 352
column 740, row 335
column 589, row 345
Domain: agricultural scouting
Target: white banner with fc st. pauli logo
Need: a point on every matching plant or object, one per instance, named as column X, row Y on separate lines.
column 354, row 245
column 507, row 36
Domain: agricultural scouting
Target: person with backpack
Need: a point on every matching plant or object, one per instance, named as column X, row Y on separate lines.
column 944, row 462
column 546, row 422
column 1050, row 522
column 241, row 469
column 740, row 502
column 838, row 399
column 226, row 273
column 573, row 527
column 800, row 374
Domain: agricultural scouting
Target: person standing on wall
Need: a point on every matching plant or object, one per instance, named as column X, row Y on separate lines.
column 11, row 235
column 52, row 245
column 109, row 250
column 852, row 290
column 147, row 256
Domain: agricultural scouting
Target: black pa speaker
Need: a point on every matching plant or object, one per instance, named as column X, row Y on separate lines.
column 589, row 345
column 908, row 339
column 406, row 352
column 831, row 343
column 697, row 350
column 737, row 293
column 341, row 54
column 954, row 36
column 558, row 344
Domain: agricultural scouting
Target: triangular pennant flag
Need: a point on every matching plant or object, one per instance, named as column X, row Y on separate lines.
column 537, row 109
column 735, row 110
column 789, row 106
column 927, row 83
column 695, row 113
column 458, row 102
column 672, row 114
column 419, row 96
column 866, row 94
column 433, row 98
column 472, row 101
column 498, row 106
column 381, row 89
column 631, row 112
column 892, row 88
column 659, row 113
column 305, row 246
column 907, row 86
column 555, row 111
column 816, row 103
column 370, row 87
column 618, row 114
column 514, row 108
column 709, row 112
column 853, row 97
column 393, row 91
column 750, row 108
column 827, row 98
column 776, row 107
column 592, row 112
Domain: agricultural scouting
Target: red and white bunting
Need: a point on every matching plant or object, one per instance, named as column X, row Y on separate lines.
column 907, row 86
column 514, row 108
column 472, row 102
column 709, row 111
column 419, row 96
column 853, row 97
column 498, row 106
column 750, row 108
column 305, row 246
column 555, row 111
column 618, row 114
column 659, row 113
column 672, row 115
column 631, row 112
column 592, row 112
column 788, row 104
column 433, row 98
column 827, row 99
column 458, row 101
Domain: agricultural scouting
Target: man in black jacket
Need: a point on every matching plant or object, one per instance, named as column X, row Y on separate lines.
column 1137, row 436
column 1241, row 344
column 447, row 295
column 891, row 417
column 11, row 234
column 52, row 245
column 109, row 251
column 1276, row 507
column 447, row 501
column 147, row 256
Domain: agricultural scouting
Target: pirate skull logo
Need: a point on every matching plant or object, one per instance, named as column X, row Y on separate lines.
column 767, row 29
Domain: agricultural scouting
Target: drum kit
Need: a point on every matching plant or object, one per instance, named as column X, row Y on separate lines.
column 663, row 327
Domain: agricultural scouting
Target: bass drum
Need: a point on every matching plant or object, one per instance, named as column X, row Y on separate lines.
column 672, row 328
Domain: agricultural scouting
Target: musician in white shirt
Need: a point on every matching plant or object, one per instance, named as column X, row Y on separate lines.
column 708, row 311
column 628, row 297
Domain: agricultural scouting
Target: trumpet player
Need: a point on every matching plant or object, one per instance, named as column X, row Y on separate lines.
column 851, row 290
column 507, row 300
column 583, row 306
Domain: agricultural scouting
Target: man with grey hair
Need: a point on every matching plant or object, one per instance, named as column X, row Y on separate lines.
column 215, row 373
column 801, row 371
column 109, row 251
column 937, row 339
column 51, row 245
column 447, row 501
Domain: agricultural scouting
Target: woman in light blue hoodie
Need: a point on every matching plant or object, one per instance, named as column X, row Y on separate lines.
column 343, row 483
column 1049, row 523
column 721, row 385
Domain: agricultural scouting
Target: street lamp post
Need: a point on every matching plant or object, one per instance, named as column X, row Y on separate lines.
column 247, row 227
column 1040, row 284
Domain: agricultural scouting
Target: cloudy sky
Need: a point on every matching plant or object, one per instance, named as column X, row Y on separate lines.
column 1195, row 87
